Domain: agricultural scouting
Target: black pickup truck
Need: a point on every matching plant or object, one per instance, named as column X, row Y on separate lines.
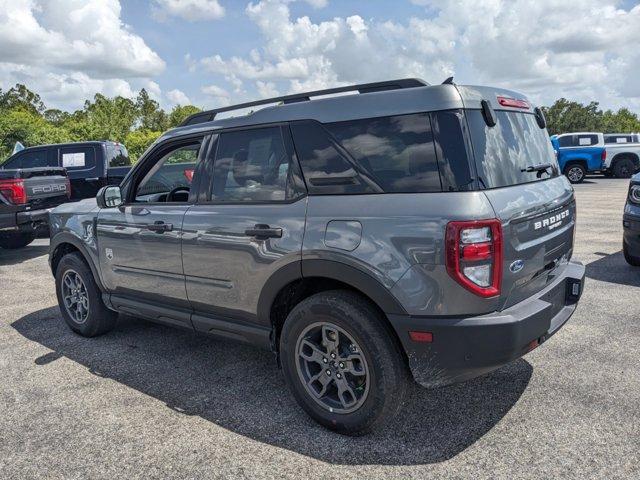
column 26, row 197
column 90, row 165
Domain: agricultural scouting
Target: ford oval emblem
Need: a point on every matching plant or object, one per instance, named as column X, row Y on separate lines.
column 516, row 266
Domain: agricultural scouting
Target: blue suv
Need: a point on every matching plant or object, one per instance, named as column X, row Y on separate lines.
column 579, row 154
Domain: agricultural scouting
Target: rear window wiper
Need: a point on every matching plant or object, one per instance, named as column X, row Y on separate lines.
column 539, row 167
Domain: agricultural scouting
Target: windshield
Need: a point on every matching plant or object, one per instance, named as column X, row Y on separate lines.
column 511, row 152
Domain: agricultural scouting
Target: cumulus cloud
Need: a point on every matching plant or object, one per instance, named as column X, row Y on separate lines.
column 190, row 10
column 178, row 97
column 585, row 50
column 68, row 51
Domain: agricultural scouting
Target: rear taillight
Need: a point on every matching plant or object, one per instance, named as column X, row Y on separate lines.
column 13, row 190
column 474, row 255
column 603, row 156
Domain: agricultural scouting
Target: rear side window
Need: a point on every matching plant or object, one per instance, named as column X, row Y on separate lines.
column 397, row 152
column 77, row 158
column 504, row 152
column 449, row 131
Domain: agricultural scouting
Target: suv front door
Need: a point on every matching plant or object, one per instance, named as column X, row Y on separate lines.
column 140, row 241
column 250, row 224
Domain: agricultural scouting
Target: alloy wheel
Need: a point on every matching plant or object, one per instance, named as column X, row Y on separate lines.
column 332, row 367
column 75, row 296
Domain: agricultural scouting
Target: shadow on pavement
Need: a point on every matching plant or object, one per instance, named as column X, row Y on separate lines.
column 613, row 268
column 241, row 389
column 13, row 257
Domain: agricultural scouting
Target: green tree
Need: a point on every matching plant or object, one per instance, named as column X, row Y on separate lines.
column 150, row 115
column 567, row 116
column 138, row 141
column 180, row 112
column 21, row 97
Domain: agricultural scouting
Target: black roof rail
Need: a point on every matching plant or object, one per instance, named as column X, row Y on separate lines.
column 210, row 115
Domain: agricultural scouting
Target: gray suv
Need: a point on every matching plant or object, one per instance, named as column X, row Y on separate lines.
column 400, row 231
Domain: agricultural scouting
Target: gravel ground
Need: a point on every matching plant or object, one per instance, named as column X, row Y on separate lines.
column 149, row 401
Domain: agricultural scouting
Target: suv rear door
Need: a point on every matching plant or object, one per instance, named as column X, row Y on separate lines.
column 536, row 208
column 248, row 224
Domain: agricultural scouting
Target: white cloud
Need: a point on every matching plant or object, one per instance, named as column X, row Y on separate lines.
column 309, row 55
column 318, row 3
column 69, row 50
column 190, row 10
column 585, row 49
column 84, row 35
column 178, row 97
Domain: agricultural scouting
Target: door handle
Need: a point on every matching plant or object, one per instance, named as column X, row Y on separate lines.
column 262, row 231
column 160, row 227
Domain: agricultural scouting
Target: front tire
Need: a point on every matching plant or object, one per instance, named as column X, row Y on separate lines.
column 631, row 259
column 15, row 240
column 575, row 172
column 342, row 363
column 80, row 299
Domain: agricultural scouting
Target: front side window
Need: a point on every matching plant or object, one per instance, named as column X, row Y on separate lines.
column 252, row 166
column 169, row 180
column 117, row 155
column 398, row 152
column 586, row 140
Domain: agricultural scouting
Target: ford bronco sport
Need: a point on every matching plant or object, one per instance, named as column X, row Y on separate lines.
column 403, row 230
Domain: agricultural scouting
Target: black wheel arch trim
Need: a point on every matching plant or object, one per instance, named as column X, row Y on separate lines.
column 330, row 269
column 65, row 237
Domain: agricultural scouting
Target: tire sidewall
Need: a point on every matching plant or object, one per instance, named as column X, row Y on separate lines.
column 92, row 324
column 381, row 376
column 618, row 168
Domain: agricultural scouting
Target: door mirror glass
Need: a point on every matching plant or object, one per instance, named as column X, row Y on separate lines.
column 109, row 197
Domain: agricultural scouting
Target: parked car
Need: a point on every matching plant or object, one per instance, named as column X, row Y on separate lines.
column 90, row 165
column 623, row 154
column 580, row 153
column 631, row 223
column 26, row 197
column 404, row 230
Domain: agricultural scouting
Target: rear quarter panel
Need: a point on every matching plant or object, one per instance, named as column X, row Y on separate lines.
column 401, row 244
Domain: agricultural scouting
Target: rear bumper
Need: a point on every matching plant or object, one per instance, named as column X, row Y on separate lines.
column 464, row 348
column 28, row 220
column 631, row 234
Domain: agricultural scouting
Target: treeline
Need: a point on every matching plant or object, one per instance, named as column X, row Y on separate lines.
column 566, row 116
column 135, row 122
column 138, row 122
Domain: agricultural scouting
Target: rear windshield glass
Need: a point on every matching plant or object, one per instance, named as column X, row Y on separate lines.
column 505, row 153
column 398, row 152
column 117, row 156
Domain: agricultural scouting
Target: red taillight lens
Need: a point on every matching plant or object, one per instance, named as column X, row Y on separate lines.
column 474, row 255
column 68, row 184
column 188, row 174
column 13, row 190
column 513, row 102
column 604, row 154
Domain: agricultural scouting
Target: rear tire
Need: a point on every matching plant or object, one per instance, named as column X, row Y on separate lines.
column 575, row 172
column 624, row 168
column 12, row 241
column 80, row 299
column 631, row 259
column 365, row 384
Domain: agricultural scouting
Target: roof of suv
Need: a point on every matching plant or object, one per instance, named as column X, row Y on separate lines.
column 414, row 96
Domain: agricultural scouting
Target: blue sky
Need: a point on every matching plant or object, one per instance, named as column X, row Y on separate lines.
column 216, row 52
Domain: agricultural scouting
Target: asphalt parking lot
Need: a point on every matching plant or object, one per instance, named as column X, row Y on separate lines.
column 150, row 401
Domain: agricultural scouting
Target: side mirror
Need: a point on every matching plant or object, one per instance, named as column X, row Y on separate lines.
column 109, row 197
